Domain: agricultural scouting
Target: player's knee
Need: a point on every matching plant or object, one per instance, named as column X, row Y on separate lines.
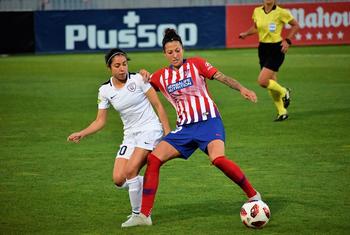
column 263, row 82
column 118, row 183
column 118, row 180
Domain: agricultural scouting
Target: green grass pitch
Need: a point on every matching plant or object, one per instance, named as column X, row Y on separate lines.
column 301, row 166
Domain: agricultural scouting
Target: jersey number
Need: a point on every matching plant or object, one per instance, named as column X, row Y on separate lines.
column 122, row 150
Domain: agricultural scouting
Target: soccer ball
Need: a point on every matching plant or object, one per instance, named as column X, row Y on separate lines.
column 255, row 214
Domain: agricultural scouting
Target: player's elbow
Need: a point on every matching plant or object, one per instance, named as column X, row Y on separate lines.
column 295, row 25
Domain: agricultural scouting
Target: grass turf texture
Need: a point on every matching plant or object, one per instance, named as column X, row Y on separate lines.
column 301, row 166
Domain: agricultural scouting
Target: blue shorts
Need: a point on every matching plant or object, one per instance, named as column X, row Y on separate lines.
column 187, row 138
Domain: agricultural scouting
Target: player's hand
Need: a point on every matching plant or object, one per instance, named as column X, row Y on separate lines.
column 75, row 137
column 285, row 46
column 145, row 75
column 249, row 95
column 242, row 35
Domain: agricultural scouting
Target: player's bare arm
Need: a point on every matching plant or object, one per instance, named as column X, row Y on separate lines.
column 145, row 75
column 252, row 30
column 234, row 84
column 228, row 81
column 163, row 117
column 295, row 27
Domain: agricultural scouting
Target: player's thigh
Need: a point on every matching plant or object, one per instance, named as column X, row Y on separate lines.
column 137, row 160
column 119, row 170
column 123, row 155
column 165, row 151
column 265, row 75
column 144, row 143
column 216, row 148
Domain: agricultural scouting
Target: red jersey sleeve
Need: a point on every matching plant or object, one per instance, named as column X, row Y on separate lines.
column 155, row 80
column 205, row 68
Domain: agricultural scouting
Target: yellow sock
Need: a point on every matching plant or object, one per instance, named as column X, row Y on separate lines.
column 277, row 99
column 274, row 86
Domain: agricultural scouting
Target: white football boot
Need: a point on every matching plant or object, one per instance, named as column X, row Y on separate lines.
column 256, row 197
column 137, row 220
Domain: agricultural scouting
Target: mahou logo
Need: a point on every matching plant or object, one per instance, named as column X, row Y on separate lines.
column 320, row 18
column 321, row 23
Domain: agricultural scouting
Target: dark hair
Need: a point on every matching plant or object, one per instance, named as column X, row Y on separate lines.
column 169, row 36
column 113, row 52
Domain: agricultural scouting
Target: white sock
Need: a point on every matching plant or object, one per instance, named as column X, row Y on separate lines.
column 135, row 194
column 140, row 177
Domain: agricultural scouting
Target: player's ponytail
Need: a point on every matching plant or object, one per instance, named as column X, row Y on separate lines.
column 169, row 36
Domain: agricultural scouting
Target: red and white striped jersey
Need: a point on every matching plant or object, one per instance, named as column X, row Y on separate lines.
column 187, row 91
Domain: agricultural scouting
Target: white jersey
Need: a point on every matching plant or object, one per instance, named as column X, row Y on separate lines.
column 136, row 112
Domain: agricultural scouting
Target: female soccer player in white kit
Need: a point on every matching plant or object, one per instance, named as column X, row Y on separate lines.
column 133, row 99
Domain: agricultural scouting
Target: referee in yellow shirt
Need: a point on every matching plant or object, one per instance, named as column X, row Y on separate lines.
column 269, row 20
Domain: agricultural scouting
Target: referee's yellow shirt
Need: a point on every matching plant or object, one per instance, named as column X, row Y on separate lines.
column 270, row 25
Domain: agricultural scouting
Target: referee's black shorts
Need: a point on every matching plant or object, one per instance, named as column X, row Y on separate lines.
column 270, row 55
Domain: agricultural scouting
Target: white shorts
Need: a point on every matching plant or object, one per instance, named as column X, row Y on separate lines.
column 143, row 139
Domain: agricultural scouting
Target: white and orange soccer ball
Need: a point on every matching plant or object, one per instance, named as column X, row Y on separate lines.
column 255, row 214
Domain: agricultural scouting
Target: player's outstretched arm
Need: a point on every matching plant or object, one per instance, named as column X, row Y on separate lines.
column 252, row 30
column 234, row 84
column 95, row 126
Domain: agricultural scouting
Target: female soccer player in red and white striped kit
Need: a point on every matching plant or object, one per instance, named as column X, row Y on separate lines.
column 199, row 124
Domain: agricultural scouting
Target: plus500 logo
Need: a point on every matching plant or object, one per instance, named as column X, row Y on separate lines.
column 140, row 36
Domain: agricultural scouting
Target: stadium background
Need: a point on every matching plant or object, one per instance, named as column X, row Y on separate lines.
column 58, row 26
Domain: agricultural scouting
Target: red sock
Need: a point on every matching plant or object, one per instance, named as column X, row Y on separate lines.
column 150, row 184
column 232, row 170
